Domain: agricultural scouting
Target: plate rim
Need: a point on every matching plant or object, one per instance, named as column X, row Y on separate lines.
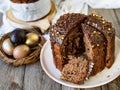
column 65, row 84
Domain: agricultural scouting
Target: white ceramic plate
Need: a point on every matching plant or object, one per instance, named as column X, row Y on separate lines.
column 101, row 78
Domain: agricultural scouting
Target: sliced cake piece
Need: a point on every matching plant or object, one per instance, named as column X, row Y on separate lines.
column 109, row 32
column 94, row 47
column 76, row 70
column 66, row 38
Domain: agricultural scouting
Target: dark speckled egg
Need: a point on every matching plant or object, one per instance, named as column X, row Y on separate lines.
column 18, row 36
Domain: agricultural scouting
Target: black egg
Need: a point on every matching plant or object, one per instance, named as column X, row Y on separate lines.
column 18, row 36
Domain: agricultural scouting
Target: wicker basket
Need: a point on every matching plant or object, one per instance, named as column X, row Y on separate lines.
column 31, row 58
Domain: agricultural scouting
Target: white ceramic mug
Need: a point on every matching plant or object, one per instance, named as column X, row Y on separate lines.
column 31, row 11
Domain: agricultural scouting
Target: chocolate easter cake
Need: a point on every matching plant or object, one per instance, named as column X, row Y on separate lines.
column 77, row 34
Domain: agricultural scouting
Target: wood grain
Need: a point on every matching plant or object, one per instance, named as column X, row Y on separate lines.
column 32, row 77
column 36, row 79
column 67, row 88
column 11, row 78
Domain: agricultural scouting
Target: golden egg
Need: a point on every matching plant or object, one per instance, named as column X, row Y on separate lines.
column 32, row 39
column 7, row 47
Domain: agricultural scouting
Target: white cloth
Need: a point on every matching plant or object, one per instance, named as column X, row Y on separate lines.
column 81, row 6
column 67, row 6
column 4, row 5
column 108, row 4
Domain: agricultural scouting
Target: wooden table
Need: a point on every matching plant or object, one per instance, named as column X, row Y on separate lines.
column 32, row 77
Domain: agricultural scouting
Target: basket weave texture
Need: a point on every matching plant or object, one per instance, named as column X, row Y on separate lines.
column 31, row 58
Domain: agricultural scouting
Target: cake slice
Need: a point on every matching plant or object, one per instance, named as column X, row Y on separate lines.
column 106, row 28
column 76, row 70
column 94, row 47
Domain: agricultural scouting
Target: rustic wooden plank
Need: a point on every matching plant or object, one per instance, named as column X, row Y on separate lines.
column 118, row 82
column 68, row 88
column 78, row 89
column 11, row 78
column 36, row 79
column 1, row 15
column 104, row 87
column 117, row 15
column 114, row 85
column 96, row 88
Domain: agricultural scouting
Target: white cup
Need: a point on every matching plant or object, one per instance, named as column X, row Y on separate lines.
column 30, row 11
